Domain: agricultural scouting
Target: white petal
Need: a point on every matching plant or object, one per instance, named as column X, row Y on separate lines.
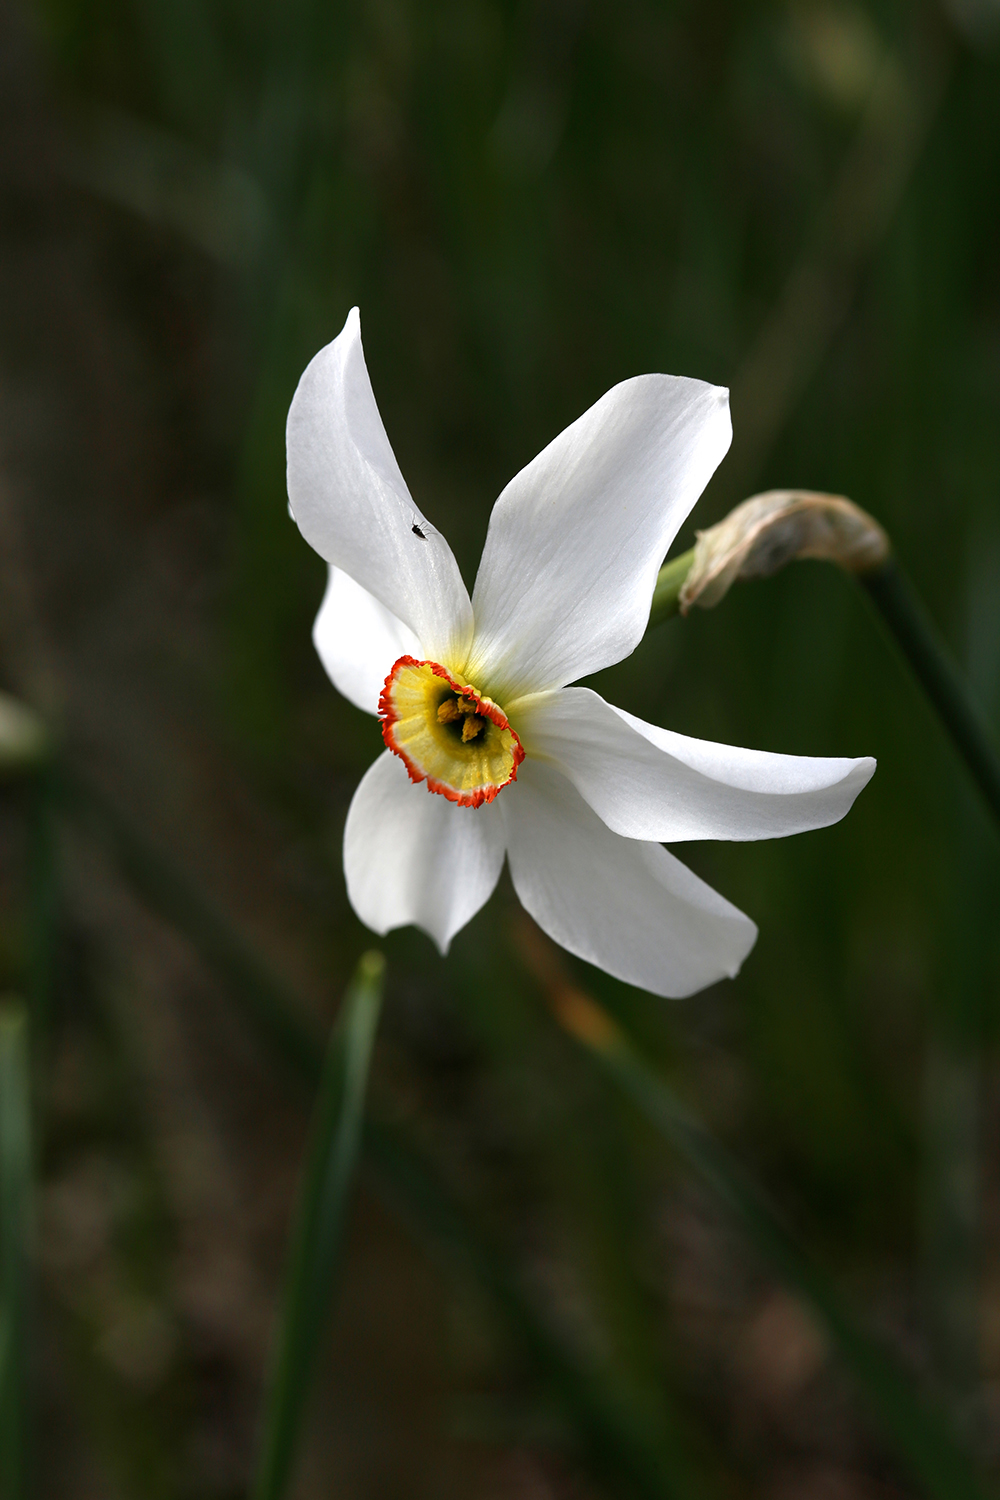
column 628, row 907
column 358, row 640
column 576, row 539
column 648, row 783
column 351, row 503
column 410, row 855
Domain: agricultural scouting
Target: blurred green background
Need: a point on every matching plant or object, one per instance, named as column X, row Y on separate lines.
column 530, row 200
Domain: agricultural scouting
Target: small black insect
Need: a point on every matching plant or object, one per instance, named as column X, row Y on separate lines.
column 417, row 532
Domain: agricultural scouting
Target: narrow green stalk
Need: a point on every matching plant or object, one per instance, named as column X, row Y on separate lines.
column 320, row 1219
column 667, row 593
column 917, row 1432
column 914, row 632
column 15, row 1221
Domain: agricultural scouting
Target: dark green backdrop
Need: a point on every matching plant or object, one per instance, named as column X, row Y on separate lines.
column 529, row 202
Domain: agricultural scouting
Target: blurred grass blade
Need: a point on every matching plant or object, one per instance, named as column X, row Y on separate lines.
column 919, row 1434
column 903, row 105
column 15, row 1212
column 162, row 178
column 321, row 1215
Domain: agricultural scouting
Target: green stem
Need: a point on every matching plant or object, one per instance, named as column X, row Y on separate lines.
column 321, row 1217
column 667, row 593
column 916, row 635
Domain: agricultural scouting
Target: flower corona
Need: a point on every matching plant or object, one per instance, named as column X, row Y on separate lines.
column 447, row 733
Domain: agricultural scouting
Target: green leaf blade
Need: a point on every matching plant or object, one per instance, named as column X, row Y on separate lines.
column 320, row 1220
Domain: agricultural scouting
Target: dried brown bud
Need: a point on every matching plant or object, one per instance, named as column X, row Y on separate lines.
column 767, row 531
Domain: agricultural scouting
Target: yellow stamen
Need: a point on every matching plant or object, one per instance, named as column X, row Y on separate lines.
column 454, row 709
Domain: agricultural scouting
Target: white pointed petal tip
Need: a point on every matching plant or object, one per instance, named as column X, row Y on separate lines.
column 352, row 505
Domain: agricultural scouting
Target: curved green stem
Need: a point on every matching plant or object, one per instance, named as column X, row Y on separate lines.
column 915, row 633
column 667, row 593
column 324, row 1201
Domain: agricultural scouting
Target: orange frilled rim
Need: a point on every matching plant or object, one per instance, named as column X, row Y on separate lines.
column 468, row 775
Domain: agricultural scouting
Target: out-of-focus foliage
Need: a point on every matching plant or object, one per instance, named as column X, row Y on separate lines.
column 529, row 201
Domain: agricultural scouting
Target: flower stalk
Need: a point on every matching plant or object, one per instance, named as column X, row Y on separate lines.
column 902, row 612
column 324, row 1203
column 667, row 593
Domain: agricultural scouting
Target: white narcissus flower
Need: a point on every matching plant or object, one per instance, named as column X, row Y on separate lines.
column 488, row 751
